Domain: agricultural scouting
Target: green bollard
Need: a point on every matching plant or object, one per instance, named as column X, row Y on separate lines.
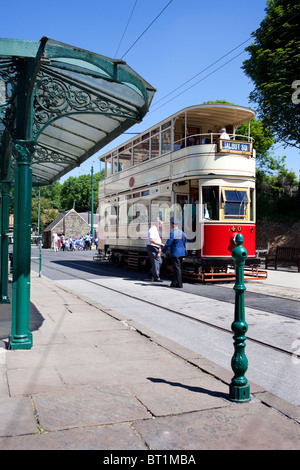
column 239, row 390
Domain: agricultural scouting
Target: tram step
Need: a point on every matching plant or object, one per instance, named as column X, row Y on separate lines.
column 133, row 260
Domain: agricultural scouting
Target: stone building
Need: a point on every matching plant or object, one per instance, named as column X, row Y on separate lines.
column 67, row 223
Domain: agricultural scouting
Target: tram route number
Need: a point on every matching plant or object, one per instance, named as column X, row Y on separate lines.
column 227, row 146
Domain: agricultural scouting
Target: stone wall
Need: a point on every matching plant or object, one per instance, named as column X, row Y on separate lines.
column 72, row 224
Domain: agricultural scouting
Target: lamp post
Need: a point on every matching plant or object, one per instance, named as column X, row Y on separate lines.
column 239, row 390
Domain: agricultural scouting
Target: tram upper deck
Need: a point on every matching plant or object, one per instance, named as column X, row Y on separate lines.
column 185, row 145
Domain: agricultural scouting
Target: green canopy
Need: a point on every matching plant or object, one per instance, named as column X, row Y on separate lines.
column 75, row 103
column 58, row 106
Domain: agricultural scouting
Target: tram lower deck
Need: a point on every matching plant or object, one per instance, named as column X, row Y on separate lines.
column 188, row 171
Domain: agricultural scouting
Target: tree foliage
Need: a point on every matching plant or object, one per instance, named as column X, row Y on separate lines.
column 77, row 193
column 273, row 67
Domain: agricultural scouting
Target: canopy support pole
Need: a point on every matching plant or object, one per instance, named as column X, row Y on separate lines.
column 21, row 337
column 4, row 188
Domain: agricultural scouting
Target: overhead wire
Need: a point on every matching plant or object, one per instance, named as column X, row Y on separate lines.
column 215, row 62
column 130, row 16
column 145, row 30
column 202, row 71
column 208, row 75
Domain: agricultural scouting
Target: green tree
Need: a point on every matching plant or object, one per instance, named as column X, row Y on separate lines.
column 77, row 192
column 47, row 213
column 273, row 67
column 263, row 141
column 50, row 192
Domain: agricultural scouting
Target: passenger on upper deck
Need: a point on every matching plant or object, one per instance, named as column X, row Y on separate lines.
column 223, row 134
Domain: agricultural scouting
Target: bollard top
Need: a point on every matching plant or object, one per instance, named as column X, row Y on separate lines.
column 239, row 253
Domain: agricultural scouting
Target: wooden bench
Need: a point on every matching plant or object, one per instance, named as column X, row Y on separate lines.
column 283, row 253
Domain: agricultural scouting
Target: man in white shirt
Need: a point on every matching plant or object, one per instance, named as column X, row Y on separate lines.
column 224, row 134
column 154, row 245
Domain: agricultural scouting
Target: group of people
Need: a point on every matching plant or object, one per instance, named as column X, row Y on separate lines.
column 73, row 243
column 177, row 245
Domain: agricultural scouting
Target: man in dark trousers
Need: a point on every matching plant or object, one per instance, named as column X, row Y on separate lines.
column 176, row 243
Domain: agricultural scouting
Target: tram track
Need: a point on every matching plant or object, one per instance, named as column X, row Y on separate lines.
column 168, row 309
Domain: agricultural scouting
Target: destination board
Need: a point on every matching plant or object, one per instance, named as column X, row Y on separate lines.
column 235, row 147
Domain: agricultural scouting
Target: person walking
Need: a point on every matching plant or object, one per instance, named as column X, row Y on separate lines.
column 154, row 245
column 55, row 242
column 177, row 245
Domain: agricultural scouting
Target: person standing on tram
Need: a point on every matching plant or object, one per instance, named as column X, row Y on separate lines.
column 223, row 134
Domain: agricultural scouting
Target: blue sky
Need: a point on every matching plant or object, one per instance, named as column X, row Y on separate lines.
column 188, row 36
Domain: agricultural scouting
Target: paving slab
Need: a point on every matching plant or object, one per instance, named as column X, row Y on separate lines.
column 87, row 406
column 237, row 427
column 97, row 380
column 36, row 380
column 164, row 397
column 113, row 437
column 17, row 416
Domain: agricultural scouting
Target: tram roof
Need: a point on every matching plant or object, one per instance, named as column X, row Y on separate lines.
column 214, row 115
column 218, row 114
column 79, row 102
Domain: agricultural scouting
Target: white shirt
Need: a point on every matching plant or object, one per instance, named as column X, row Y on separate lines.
column 224, row 136
column 154, row 235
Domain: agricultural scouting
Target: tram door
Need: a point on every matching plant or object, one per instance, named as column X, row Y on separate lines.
column 181, row 201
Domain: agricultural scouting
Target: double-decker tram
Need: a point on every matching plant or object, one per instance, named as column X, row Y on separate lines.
column 192, row 166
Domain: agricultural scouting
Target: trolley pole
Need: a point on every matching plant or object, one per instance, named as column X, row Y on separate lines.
column 239, row 390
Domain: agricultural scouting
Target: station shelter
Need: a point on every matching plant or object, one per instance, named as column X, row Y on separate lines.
column 59, row 105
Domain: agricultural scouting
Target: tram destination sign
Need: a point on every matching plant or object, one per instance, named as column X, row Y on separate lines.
column 234, row 146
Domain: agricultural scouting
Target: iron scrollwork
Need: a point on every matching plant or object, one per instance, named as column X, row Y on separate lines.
column 55, row 98
column 23, row 150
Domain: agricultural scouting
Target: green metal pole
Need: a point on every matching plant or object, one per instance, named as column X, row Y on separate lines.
column 4, row 299
column 239, row 390
column 92, row 212
column 40, row 266
column 39, row 237
column 21, row 337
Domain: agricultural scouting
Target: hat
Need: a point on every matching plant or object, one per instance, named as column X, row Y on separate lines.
column 174, row 221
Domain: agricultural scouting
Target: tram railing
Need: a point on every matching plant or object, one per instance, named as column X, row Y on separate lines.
column 207, row 138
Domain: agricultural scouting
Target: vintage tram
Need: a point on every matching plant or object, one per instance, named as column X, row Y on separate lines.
column 188, row 167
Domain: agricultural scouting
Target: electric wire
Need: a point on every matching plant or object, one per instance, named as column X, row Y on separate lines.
column 196, row 83
column 202, row 71
column 130, row 16
column 218, row 60
column 145, row 30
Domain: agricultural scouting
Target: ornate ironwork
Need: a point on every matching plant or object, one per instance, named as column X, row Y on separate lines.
column 55, row 98
column 8, row 79
column 43, row 154
column 24, row 150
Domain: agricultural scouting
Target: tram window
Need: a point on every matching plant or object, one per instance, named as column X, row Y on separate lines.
column 155, row 146
column 166, row 141
column 125, row 159
column 160, row 208
column 235, row 203
column 141, row 152
column 114, row 212
column 108, row 167
column 138, row 211
column 210, row 202
column 252, row 214
column 177, row 141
